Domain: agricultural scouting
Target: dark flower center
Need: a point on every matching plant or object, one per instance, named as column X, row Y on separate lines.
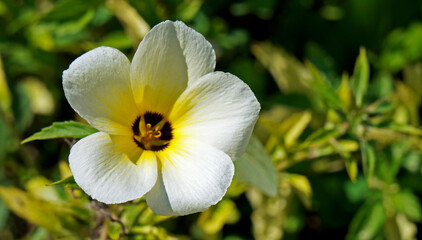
column 152, row 131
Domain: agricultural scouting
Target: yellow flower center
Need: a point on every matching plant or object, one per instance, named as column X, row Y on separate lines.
column 152, row 131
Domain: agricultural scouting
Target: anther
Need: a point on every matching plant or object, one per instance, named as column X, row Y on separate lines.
column 157, row 134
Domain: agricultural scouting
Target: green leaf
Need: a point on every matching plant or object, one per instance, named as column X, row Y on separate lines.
column 360, row 77
column 69, row 129
column 321, row 86
column 367, row 222
column 408, row 203
column 368, row 160
column 68, row 182
column 320, row 136
column 4, row 213
column 114, row 230
column 69, row 9
column 255, row 167
column 21, row 106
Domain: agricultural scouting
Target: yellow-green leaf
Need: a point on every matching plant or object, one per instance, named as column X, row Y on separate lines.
column 5, row 95
column 302, row 187
column 301, row 122
column 360, row 77
column 214, row 219
column 344, row 92
column 352, row 168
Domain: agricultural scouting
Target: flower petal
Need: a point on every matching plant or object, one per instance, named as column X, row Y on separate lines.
column 159, row 71
column 107, row 174
column 97, row 86
column 194, row 176
column 199, row 54
column 218, row 109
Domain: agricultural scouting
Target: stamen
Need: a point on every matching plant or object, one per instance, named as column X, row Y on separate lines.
column 157, row 134
column 152, row 132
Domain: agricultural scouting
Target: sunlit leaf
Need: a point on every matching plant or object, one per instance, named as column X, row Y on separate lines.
column 302, row 187
column 407, row 228
column 405, row 129
column 320, row 136
column 407, row 97
column 297, row 124
column 33, row 210
column 352, row 168
column 360, row 77
column 188, row 9
column 255, row 167
column 213, row 220
column 134, row 24
column 344, row 92
column 39, row 187
column 69, row 129
column 289, row 73
column 41, row 36
column 413, row 80
column 114, row 230
column 42, row 102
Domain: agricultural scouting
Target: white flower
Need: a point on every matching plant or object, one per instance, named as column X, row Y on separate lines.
column 169, row 125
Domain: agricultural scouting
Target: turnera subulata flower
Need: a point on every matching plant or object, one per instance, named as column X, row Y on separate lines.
column 169, row 126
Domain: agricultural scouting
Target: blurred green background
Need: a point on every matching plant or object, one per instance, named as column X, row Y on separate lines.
column 336, row 153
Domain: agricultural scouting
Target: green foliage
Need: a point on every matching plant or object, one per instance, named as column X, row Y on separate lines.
column 69, row 129
column 335, row 154
column 255, row 167
column 360, row 77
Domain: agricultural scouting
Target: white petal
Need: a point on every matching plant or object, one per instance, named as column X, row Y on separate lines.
column 199, row 54
column 107, row 174
column 194, row 177
column 159, row 71
column 97, row 86
column 218, row 109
